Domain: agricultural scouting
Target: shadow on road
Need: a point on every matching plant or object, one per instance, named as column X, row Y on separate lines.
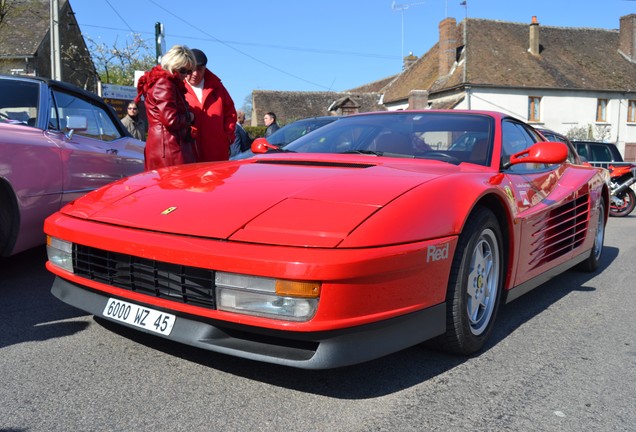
column 386, row 375
column 28, row 309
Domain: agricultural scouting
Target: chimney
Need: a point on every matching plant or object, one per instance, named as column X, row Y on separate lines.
column 534, row 36
column 418, row 99
column 447, row 45
column 627, row 37
column 408, row 61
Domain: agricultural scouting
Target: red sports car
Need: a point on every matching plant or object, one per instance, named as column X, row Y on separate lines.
column 367, row 236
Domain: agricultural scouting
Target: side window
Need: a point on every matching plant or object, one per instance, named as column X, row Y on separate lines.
column 99, row 124
column 581, row 149
column 601, row 153
column 515, row 138
column 19, row 102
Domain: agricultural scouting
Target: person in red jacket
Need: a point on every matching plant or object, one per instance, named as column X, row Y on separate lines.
column 169, row 140
column 214, row 112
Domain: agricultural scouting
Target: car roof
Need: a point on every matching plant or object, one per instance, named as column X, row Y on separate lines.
column 53, row 84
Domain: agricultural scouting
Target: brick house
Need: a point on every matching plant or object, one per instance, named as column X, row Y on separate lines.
column 25, row 46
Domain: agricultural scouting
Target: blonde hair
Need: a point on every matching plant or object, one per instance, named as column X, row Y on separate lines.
column 177, row 57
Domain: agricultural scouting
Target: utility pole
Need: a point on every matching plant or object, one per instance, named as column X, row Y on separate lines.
column 54, row 31
column 160, row 41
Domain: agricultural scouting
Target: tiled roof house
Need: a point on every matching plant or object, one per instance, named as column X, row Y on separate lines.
column 553, row 77
column 25, row 46
column 293, row 105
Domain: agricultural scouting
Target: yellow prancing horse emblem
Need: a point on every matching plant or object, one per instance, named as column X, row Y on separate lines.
column 168, row 210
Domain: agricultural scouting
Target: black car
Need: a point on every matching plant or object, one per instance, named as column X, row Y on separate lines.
column 599, row 153
column 291, row 132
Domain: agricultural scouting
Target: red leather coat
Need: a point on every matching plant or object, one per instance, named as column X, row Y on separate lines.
column 214, row 119
column 168, row 142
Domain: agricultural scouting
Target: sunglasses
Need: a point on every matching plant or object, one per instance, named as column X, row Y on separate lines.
column 132, row 108
column 184, row 71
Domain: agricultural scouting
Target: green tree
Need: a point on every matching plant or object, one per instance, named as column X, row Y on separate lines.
column 117, row 65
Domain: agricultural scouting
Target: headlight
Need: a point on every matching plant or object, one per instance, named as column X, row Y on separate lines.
column 60, row 253
column 267, row 297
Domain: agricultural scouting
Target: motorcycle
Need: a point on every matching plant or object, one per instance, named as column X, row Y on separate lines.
column 623, row 197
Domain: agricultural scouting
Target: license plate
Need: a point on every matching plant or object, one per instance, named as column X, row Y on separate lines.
column 139, row 316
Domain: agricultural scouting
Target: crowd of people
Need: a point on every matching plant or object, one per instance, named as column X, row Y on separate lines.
column 191, row 116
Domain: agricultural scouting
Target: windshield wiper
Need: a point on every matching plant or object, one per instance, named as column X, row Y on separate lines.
column 365, row 152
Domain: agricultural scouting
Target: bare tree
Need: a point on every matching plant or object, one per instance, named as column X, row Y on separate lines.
column 117, row 65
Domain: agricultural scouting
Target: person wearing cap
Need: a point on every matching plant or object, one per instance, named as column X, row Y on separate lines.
column 214, row 112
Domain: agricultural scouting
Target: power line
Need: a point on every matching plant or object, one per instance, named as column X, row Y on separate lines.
column 254, row 44
column 238, row 50
column 120, row 17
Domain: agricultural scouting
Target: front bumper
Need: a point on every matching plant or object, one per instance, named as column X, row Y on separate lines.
column 306, row 350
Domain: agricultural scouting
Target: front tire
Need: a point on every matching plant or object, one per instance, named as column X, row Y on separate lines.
column 475, row 284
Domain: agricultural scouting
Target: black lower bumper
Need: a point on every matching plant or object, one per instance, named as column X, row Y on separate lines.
column 313, row 350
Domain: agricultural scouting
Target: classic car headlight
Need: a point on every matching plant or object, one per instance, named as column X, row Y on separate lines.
column 267, row 297
column 60, row 253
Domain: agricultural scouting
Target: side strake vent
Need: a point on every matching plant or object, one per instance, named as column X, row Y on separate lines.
column 561, row 231
column 314, row 163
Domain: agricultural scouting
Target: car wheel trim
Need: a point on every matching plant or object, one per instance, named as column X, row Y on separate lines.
column 483, row 282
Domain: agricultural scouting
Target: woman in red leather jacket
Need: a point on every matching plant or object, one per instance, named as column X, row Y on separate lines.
column 169, row 139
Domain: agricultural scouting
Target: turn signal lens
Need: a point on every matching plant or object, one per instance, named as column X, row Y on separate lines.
column 297, row 288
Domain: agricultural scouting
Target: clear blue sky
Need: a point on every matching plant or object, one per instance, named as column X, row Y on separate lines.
column 305, row 45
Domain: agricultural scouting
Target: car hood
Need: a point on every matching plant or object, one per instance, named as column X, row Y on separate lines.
column 287, row 201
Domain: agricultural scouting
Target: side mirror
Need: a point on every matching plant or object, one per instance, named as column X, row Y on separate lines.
column 260, row 146
column 76, row 122
column 543, row 152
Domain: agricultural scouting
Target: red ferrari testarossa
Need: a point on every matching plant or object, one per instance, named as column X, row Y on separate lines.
column 364, row 237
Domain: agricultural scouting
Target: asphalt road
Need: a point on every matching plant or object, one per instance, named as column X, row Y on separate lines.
column 563, row 358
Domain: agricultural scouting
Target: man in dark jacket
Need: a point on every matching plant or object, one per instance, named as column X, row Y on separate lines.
column 242, row 140
column 270, row 122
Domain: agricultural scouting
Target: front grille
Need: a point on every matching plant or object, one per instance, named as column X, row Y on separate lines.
column 183, row 284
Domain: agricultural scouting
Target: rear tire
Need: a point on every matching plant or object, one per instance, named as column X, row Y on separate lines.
column 592, row 262
column 475, row 284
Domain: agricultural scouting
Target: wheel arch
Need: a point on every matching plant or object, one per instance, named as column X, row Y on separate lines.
column 501, row 211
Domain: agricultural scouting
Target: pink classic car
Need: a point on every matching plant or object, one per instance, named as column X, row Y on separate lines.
column 57, row 142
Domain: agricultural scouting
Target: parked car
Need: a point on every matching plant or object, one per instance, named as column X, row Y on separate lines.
column 599, row 153
column 350, row 244
column 291, row 132
column 57, row 142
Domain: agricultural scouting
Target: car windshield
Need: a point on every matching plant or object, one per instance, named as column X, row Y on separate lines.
column 295, row 130
column 452, row 137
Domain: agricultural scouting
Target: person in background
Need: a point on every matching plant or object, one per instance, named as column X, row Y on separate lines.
column 270, row 122
column 214, row 112
column 242, row 140
column 169, row 118
column 135, row 125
